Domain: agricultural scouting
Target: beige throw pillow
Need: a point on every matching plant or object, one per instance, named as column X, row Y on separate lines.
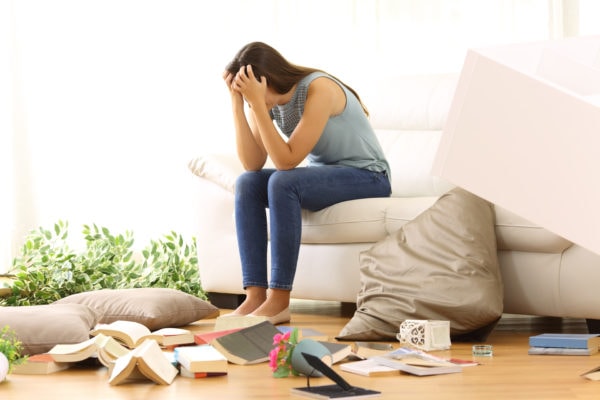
column 42, row 327
column 153, row 307
column 442, row 265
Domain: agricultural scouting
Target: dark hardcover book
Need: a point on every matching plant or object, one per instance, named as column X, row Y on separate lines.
column 249, row 345
column 566, row 340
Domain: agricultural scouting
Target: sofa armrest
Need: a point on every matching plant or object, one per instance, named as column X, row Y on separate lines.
column 221, row 169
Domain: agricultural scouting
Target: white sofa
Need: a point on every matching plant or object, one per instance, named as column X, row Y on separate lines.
column 543, row 274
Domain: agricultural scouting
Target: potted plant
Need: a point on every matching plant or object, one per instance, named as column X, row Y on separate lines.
column 48, row 268
column 10, row 352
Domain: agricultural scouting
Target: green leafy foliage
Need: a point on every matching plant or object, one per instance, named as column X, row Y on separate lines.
column 11, row 347
column 48, row 269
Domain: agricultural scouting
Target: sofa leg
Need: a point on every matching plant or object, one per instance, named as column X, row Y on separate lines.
column 348, row 309
column 225, row 300
column 593, row 325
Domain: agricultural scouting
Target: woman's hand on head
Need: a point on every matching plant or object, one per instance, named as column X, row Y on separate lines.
column 246, row 83
column 236, row 95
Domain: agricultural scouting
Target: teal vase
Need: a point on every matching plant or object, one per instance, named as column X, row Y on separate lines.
column 314, row 348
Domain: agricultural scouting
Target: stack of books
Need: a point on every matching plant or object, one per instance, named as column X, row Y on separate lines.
column 573, row 344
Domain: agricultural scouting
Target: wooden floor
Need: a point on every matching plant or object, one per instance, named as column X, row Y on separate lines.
column 509, row 374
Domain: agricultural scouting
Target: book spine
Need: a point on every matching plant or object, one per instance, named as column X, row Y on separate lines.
column 558, row 351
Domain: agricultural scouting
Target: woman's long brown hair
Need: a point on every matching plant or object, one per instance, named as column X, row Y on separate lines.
column 281, row 74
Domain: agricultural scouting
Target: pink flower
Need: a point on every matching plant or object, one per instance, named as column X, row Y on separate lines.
column 273, row 355
column 279, row 357
column 277, row 338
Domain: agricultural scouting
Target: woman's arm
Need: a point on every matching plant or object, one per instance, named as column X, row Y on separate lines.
column 323, row 100
column 250, row 150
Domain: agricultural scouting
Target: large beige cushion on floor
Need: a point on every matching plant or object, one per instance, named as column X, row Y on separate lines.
column 442, row 266
column 41, row 327
column 155, row 308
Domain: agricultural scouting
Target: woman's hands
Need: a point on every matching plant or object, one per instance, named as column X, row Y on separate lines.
column 236, row 96
column 245, row 85
column 250, row 148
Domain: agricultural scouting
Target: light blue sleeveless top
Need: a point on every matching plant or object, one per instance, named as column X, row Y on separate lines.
column 348, row 138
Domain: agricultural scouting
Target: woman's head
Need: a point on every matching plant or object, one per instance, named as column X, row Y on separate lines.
column 281, row 75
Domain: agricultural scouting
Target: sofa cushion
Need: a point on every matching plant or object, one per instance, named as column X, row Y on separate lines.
column 442, row 265
column 221, row 169
column 153, row 307
column 371, row 220
column 361, row 221
column 41, row 327
column 518, row 234
column 410, row 154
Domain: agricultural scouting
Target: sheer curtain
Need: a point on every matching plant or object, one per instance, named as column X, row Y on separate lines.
column 7, row 131
column 107, row 100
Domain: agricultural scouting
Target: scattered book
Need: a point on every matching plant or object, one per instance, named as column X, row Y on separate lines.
column 186, row 373
column 593, row 374
column 364, row 350
column 369, row 367
column 305, row 333
column 417, row 362
column 77, row 351
column 207, row 337
column 226, row 322
column 104, row 348
column 463, row 363
column 250, row 345
column 567, row 340
column 170, row 354
column 132, row 334
column 148, row 361
column 109, row 349
column 560, row 351
column 418, row 368
column 201, row 358
column 339, row 351
column 39, row 364
column 341, row 390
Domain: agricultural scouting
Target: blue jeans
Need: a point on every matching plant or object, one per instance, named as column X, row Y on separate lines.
column 285, row 193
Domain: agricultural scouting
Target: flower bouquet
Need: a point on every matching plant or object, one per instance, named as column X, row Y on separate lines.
column 280, row 358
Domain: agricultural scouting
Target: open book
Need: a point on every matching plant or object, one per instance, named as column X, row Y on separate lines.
column 250, row 345
column 105, row 348
column 145, row 361
column 417, row 362
column 132, row 334
column 339, row 351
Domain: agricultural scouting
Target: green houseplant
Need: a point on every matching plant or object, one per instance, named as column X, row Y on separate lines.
column 10, row 349
column 48, row 268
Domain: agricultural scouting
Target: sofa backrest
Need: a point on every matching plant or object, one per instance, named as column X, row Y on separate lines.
column 408, row 114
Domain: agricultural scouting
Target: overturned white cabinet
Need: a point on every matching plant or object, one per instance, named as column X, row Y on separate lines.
column 523, row 132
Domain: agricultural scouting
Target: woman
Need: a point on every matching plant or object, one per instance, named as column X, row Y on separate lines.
column 325, row 122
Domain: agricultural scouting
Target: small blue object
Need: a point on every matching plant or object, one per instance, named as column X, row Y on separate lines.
column 565, row 340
